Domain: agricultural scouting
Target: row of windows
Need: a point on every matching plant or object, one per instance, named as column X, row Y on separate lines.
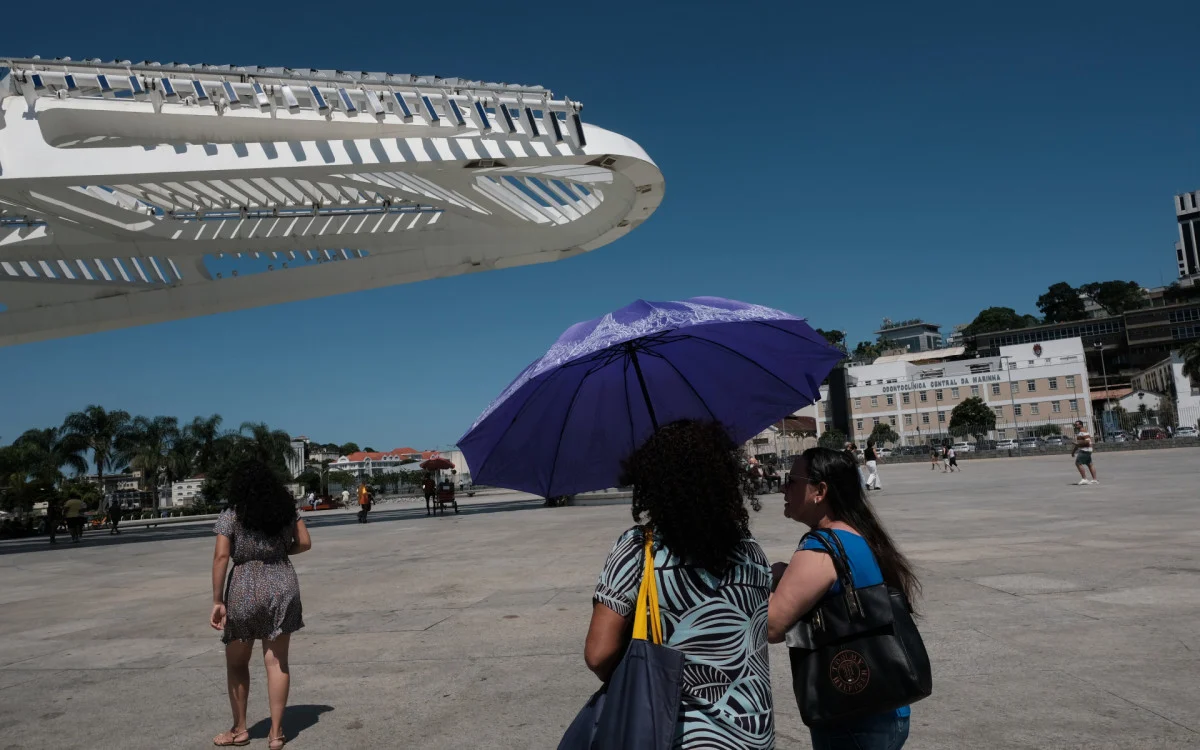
column 1183, row 333
column 1184, row 316
column 1070, row 332
column 1034, row 410
column 939, row 394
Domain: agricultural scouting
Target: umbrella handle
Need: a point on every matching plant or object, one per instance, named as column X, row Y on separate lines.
column 637, row 367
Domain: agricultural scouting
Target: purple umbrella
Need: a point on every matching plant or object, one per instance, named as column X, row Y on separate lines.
column 567, row 422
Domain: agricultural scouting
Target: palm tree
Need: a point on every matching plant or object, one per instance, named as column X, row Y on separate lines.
column 147, row 444
column 206, row 432
column 181, row 458
column 267, row 445
column 44, row 453
column 103, row 431
column 1190, row 353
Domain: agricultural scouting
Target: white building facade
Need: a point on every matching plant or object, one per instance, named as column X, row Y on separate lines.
column 185, row 492
column 1167, row 378
column 1027, row 386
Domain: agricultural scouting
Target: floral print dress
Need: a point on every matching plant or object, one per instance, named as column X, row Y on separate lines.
column 262, row 595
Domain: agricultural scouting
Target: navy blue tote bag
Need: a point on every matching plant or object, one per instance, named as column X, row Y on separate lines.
column 639, row 707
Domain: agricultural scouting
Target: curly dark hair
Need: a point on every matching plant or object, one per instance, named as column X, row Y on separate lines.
column 686, row 480
column 259, row 498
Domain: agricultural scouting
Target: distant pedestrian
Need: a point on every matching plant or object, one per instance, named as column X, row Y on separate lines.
column 430, row 489
column 364, row 503
column 261, row 601
column 52, row 516
column 345, row 498
column 872, row 457
column 73, row 513
column 933, row 456
column 951, row 459
column 1082, row 452
column 114, row 515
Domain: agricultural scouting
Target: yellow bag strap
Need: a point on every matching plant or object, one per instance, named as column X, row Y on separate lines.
column 647, row 601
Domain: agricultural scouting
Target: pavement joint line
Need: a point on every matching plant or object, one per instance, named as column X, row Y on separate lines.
column 1131, row 702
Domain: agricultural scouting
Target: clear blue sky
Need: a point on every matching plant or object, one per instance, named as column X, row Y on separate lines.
column 903, row 160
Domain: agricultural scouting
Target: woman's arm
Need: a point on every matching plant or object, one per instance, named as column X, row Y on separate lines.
column 806, row 580
column 302, row 542
column 220, row 563
column 606, row 640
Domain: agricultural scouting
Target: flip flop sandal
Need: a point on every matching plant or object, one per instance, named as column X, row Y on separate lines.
column 230, row 738
column 276, row 743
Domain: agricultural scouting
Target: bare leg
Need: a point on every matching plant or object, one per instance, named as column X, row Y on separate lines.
column 275, row 657
column 1082, row 473
column 237, row 674
column 1091, row 468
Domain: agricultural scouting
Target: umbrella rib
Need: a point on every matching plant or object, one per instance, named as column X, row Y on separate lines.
column 628, row 408
column 688, row 383
column 521, row 411
column 515, row 417
column 736, row 353
column 563, row 429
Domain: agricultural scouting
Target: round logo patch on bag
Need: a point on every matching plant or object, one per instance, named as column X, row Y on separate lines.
column 849, row 672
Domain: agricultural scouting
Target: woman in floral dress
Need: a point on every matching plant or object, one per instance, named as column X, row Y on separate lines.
column 261, row 599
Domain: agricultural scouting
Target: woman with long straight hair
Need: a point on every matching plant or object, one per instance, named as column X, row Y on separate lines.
column 825, row 493
column 261, row 600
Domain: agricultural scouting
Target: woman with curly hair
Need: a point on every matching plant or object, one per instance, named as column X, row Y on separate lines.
column 713, row 582
column 261, row 600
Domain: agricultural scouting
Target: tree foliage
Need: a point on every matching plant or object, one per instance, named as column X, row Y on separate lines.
column 836, row 338
column 999, row 319
column 1115, row 297
column 883, row 433
column 832, row 438
column 973, row 416
column 1190, row 353
column 1061, row 303
column 347, row 448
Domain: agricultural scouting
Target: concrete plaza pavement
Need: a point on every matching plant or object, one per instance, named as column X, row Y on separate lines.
column 1056, row 617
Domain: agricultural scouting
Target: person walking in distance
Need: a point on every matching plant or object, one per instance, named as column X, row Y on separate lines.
column 946, row 458
column 73, row 512
column 933, row 456
column 951, row 459
column 364, row 503
column 1083, row 453
column 114, row 515
column 430, row 488
column 872, row 457
column 261, row 601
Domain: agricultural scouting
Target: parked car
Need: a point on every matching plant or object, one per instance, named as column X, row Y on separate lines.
column 1057, row 440
column 1152, row 433
column 1030, row 443
column 884, row 452
column 1117, row 437
column 1007, row 444
column 1186, row 432
column 964, row 447
column 985, row 445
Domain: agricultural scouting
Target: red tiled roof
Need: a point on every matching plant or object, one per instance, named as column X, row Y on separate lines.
column 397, row 453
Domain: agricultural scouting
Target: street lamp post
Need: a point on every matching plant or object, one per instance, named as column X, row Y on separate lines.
column 1099, row 347
column 1012, row 399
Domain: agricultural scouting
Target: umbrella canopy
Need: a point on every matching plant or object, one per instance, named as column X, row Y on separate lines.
column 569, row 420
column 437, row 464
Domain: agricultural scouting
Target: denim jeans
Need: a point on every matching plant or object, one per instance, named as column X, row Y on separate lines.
column 879, row 732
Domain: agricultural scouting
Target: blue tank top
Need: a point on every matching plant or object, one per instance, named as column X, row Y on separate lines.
column 863, row 566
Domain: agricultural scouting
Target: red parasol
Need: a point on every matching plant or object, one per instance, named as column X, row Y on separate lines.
column 436, row 464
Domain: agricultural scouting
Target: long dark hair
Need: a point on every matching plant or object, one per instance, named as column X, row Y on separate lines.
column 259, row 498
column 687, row 480
column 848, row 505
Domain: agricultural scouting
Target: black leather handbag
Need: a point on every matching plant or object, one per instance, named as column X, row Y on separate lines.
column 858, row 652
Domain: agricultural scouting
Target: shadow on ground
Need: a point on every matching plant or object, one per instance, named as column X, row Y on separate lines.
column 296, row 720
